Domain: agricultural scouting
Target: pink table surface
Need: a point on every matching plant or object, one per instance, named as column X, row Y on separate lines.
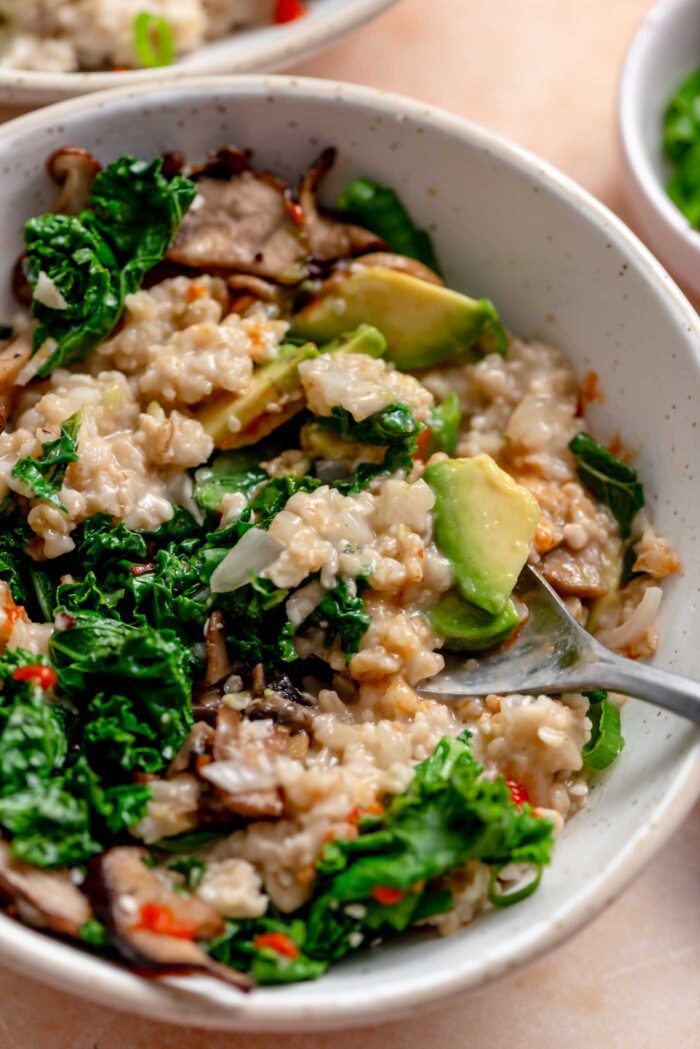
column 543, row 72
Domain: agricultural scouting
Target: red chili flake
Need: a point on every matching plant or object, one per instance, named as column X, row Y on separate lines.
column 157, row 918
column 44, row 677
column 289, row 10
column 195, row 291
column 518, row 794
column 590, row 388
column 278, row 942
column 386, row 895
column 363, row 812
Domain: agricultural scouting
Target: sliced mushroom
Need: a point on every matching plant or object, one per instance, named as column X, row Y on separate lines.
column 219, row 665
column 242, row 225
column 575, row 577
column 242, row 771
column 208, row 695
column 44, row 899
column 199, row 741
column 330, row 238
column 75, row 171
column 12, row 360
column 124, row 891
column 283, row 703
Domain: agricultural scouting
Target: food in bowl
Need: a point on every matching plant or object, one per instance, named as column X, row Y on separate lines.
column 260, row 466
column 65, row 36
column 681, row 143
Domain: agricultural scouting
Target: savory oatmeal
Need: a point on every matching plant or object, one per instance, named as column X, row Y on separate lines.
column 259, row 469
column 66, row 36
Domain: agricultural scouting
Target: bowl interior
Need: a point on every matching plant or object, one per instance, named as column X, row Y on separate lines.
column 560, row 268
column 665, row 52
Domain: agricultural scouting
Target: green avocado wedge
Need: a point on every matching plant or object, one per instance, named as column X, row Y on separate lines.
column 275, row 394
column 484, row 525
column 424, row 324
column 467, row 628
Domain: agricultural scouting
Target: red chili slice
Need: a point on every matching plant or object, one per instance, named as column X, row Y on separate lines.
column 386, row 895
column 423, row 446
column 289, row 10
column 160, row 919
column 518, row 794
column 278, row 942
column 44, row 677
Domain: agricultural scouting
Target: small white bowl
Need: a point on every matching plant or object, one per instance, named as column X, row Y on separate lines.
column 259, row 50
column 561, row 268
column 665, row 50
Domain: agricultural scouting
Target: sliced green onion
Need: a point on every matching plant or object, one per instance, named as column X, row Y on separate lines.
column 501, row 899
column 606, row 740
column 154, row 40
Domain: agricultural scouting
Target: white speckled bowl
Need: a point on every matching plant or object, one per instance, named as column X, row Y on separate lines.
column 559, row 267
column 665, row 50
column 258, row 50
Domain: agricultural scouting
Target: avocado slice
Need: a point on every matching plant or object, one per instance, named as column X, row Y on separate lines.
column 484, row 524
column 424, row 324
column 467, row 628
column 276, row 383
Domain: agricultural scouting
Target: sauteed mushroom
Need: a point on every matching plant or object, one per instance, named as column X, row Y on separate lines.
column 74, row 170
column 44, row 899
column 154, row 927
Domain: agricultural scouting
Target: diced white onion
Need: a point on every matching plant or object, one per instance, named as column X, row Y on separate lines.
column 238, row 778
column 636, row 625
column 256, row 551
column 48, row 294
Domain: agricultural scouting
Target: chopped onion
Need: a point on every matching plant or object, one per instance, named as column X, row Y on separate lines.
column 48, row 293
column 636, row 625
column 256, row 551
column 236, row 778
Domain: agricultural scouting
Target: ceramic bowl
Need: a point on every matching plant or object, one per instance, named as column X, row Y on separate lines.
column 665, row 50
column 561, row 268
column 249, row 51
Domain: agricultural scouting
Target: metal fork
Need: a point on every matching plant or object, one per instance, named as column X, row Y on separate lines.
column 553, row 653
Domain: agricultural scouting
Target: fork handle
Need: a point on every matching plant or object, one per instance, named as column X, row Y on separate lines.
column 681, row 695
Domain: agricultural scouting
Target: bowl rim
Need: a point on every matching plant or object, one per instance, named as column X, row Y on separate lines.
column 658, row 22
column 64, row 966
column 289, row 43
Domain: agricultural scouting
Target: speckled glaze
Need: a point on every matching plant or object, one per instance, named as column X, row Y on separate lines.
column 259, row 50
column 665, row 50
column 560, row 267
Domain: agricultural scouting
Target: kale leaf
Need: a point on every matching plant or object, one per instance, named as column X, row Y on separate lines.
column 44, row 476
column 237, row 948
column 381, row 210
column 383, row 881
column 15, row 535
column 102, row 655
column 119, row 736
column 99, row 542
column 97, row 258
column 52, row 803
column 394, row 427
column 230, row 472
column 275, row 495
column 259, row 631
column 33, row 740
column 607, row 478
column 342, row 612
column 389, row 426
column 449, row 815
